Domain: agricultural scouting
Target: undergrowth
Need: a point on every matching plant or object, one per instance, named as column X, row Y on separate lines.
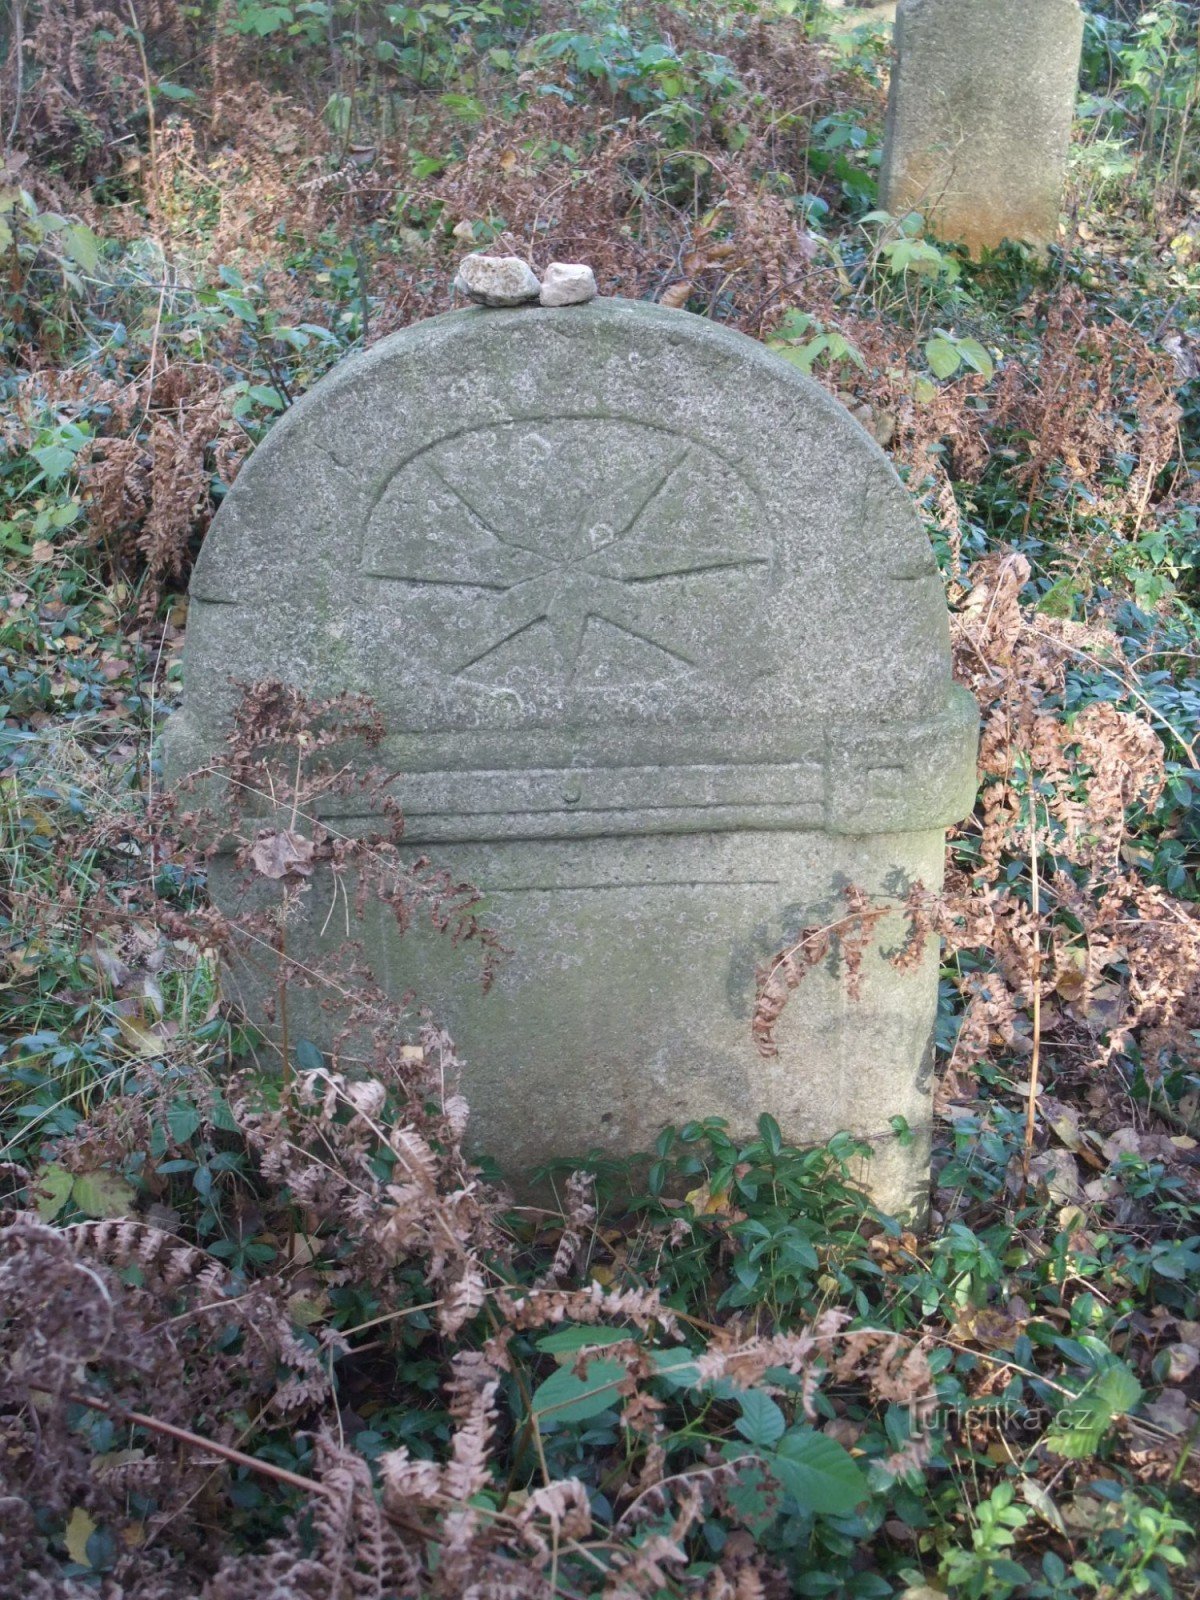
column 266, row 1329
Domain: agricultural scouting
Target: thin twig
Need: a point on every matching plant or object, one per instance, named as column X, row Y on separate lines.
column 1035, row 1059
column 151, row 130
column 18, row 16
column 388, row 1316
column 168, row 1429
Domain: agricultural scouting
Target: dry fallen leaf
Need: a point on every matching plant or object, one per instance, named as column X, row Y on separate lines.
column 1182, row 1361
column 988, row 1326
column 144, row 1038
column 707, row 1204
column 1170, row 1411
column 1055, row 1173
column 282, row 854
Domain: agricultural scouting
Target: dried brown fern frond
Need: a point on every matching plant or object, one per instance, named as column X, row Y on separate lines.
column 1072, row 408
column 579, row 1218
column 147, row 484
column 848, row 937
column 1066, row 787
column 84, row 77
column 120, row 1319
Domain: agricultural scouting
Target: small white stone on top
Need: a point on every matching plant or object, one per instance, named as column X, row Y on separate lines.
column 567, row 284
column 497, row 280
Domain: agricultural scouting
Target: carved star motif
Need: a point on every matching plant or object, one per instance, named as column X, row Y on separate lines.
column 564, row 578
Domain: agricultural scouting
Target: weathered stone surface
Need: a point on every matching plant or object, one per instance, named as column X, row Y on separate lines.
column 663, row 654
column 979, row 116
column 567, row 284
column 497, row 280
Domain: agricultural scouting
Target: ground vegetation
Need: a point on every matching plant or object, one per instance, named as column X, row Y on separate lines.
column 265, row 1330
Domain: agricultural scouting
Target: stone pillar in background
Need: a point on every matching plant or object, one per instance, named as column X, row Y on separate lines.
column 663, row 656
column 979, row 116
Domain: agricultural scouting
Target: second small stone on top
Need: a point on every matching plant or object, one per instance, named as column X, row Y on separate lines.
column 568, row 284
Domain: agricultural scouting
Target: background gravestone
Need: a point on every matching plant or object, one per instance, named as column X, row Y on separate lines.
column 979, row 116
column 663, row 654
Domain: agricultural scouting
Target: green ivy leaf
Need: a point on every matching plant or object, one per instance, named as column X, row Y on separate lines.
column 308, row 1056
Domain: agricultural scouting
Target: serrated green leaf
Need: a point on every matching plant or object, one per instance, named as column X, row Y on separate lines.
column 943, row 358
column 762, row 1423
column 924, row 390
column 974, row 354
column 103, row 1194
column 222, row 1116
column 82, row 245
column 818, row 1473
column 55, row 460
column 754, row 1494
column 182, row 1119
column 52, row 1186
column 1080, row 1425
column 793, row 325
column 565, row 1398
column 677, row 1366
column 799, row 355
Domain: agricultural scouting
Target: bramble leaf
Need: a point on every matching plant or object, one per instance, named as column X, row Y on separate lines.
column 818, row 1473
column 563, row 1397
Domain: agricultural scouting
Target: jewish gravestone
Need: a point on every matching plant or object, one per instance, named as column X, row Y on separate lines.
column 979, row 116
column 663, row 654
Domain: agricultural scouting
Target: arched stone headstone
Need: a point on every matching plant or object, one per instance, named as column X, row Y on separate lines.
column 979, row 116
column 663, row 654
